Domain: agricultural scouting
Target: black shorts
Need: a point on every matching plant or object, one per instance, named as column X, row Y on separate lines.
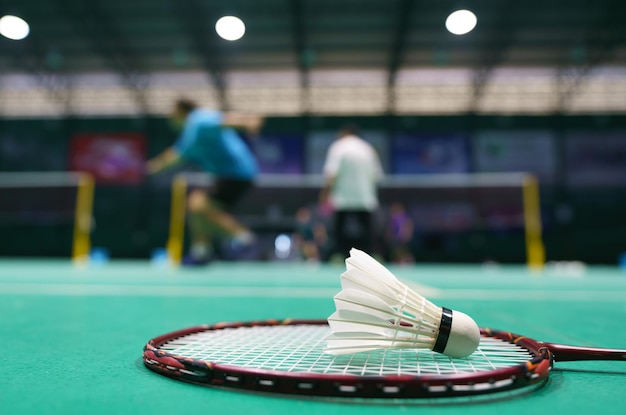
column 353, row 229
column 227, row 192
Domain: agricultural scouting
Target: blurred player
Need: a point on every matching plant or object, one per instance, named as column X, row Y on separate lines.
column 310, row 235
column 399, row 234
column 352, row 170
column 209, row 140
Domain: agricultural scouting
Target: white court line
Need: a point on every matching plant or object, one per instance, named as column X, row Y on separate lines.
column 161, row 290
column 121, row 290
column 532, row 295
column 424, row 290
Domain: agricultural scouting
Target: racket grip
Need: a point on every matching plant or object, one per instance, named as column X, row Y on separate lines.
column 563, row 353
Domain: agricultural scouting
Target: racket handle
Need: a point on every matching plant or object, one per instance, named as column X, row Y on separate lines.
column 563, row 353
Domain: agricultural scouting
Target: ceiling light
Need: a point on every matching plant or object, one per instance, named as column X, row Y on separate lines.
column 461, row 22
column 13, row 27
column 230, row 28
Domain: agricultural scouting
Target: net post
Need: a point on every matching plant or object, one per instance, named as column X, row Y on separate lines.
column 535, row 250
column 82, row 218
column 177, row 219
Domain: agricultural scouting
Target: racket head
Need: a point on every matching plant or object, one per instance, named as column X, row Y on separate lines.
column 286, row 357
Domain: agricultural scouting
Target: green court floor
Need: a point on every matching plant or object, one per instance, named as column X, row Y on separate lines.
column 73, row 338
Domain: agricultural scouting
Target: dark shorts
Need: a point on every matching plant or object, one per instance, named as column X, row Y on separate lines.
column 228, row 192
column 353, row 229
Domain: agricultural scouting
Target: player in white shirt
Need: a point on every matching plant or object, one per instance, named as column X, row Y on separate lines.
column 352, row 171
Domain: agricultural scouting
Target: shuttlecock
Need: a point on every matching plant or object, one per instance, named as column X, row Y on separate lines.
column 377, row 311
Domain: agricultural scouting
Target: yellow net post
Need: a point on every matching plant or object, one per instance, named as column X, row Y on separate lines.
column 82, row 218
column 535, row 250
column 177, row 220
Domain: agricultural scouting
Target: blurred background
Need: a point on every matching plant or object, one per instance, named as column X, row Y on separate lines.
column 536, row 86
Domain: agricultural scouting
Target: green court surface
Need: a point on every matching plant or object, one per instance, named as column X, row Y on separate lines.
column 73, row 338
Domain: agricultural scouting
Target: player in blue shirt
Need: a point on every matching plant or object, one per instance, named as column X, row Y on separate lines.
column 209, row 140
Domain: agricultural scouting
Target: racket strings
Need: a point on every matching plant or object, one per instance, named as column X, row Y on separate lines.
column 299, row 348
column 278, row 349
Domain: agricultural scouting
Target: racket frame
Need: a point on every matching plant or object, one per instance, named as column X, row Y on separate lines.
column 522, row 375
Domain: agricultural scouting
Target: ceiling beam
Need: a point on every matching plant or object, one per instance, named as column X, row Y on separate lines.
column 30, row 56
column 198, row 23
column 492, row 53
column 600, row 41
column 304, row 56
column 93, row 22
column 398, row 47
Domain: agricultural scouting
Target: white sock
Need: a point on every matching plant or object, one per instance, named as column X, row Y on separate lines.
column 244, row 238
column 200, row 250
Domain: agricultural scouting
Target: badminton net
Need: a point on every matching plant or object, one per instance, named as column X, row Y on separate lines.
column 474, row 206
column 46, row 214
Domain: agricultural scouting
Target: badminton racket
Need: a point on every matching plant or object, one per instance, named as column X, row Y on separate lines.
column 287, row 357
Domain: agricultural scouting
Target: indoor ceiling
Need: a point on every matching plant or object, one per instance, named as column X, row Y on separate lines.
column 315, row 56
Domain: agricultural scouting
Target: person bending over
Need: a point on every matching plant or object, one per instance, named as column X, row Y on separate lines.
column 209, row 139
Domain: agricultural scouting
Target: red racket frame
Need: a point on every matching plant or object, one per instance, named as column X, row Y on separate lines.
column 526, row 374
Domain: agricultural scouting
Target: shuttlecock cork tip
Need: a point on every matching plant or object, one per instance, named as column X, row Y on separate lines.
column 458, row 336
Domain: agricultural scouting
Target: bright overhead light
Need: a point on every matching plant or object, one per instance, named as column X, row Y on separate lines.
column 461, row 22
column 230, row 28
column 13, row 27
